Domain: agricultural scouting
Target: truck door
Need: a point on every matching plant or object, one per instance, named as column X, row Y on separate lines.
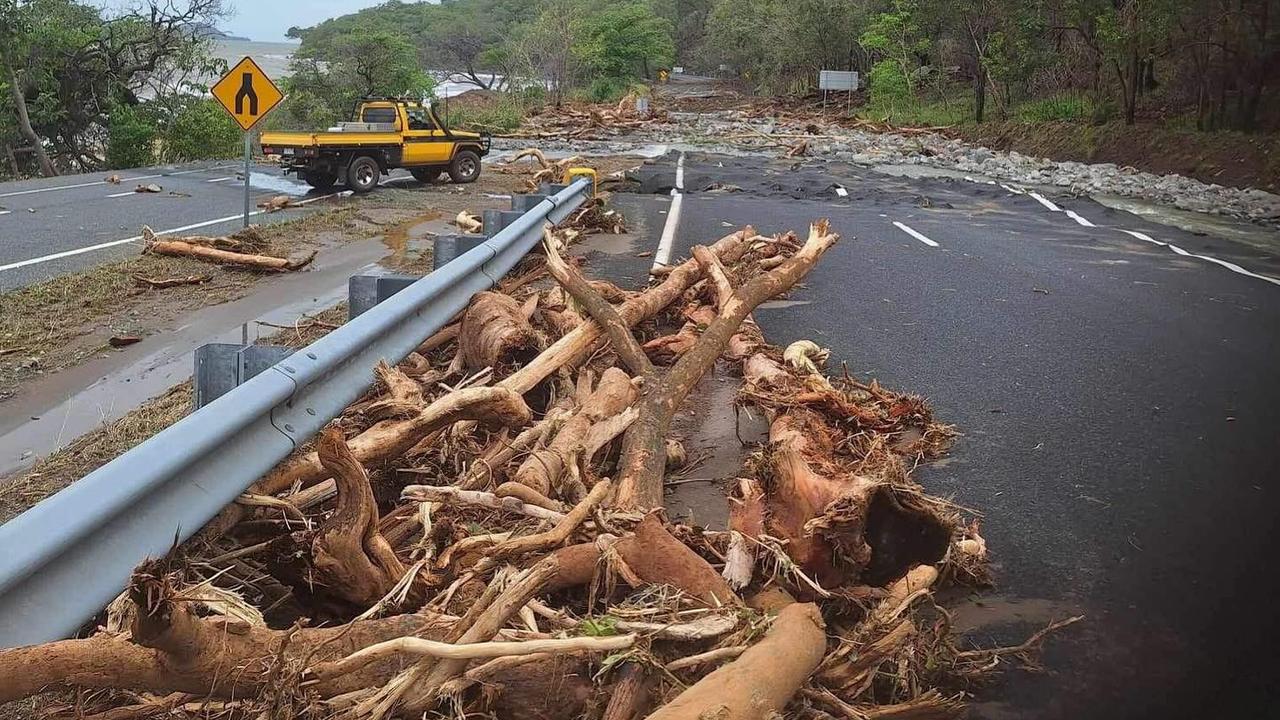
column 424, row 143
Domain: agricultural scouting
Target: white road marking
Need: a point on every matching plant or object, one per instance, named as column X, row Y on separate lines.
column 123, row 194
column 1045, row 202
column 1228, row 265
column 1012, row 189
column 103, row 182
column 222, row 179
column 1077, row 218
column 5, row 212
column 136, row 238
column 663, row 256
column 915, row 234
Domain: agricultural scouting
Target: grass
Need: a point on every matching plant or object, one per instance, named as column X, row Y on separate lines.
column 93, row 450
column 98, row 447
column 499, row 112
column 59, row 322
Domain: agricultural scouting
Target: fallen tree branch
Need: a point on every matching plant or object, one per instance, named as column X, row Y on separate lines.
column 761, row 681
column 605, row 315
column 447, row 494
column 352, row 560
column 412, row 646
column 643, row 458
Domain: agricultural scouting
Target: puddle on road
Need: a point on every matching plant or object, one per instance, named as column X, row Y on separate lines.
column 783, row 304
column 1254, row 236
column 277, row 184
column 712, row 432
column 989, row 612
column 414, row 232
column 70, row 403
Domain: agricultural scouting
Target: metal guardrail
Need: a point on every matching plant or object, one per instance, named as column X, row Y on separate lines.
column 63, row 560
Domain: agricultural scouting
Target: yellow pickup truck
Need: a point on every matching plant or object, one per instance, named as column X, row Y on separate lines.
column 387, row 133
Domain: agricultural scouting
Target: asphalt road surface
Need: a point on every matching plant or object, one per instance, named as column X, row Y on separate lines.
column 54, row 226
column 1118, row 402
column 1114, row 381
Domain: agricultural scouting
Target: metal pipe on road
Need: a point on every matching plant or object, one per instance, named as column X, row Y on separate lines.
column 68, row 556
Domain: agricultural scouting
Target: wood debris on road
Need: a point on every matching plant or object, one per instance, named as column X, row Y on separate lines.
column 224, row 250
column 482, row 532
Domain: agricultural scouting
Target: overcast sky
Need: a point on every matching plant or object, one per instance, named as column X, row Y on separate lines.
column 268, row 20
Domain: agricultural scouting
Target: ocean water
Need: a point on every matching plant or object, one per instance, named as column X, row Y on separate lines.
column 272, row 57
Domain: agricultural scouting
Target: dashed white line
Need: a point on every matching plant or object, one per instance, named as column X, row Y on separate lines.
column 1228, row 265
column 1044, row 201
column 136, row 238
column 1014, row 190
column 680, row 172
column 102, row 182
column 123, row 194
column 222, row 179
column 908, row 230
column 5, row 212
column 1083, row 221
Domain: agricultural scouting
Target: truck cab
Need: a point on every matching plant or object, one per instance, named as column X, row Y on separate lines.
column 384, row 134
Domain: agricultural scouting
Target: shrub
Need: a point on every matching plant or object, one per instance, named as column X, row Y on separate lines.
column 607, row 89
column 889, row 87
column 131, row 137
column 501, row 115
column 201, row 131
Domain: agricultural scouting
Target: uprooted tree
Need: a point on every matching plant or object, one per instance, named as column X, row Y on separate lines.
column 482, row 532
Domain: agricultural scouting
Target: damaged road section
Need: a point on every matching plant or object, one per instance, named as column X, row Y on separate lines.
column 483, row 532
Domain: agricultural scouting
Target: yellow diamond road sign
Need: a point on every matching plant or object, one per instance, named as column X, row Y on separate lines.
column 247, row 93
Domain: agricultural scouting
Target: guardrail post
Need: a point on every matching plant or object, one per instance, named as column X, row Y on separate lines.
column 365, row 291
column 495, row 221
column 222, row 367
column 446, row 248
column 525, row 203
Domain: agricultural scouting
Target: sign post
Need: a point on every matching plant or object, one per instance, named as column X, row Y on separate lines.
column 247, row 94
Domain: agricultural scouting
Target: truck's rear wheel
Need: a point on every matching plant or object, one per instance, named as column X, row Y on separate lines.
column 465, row 167
column 426, row 175
column 363, row 174
column 319, row 179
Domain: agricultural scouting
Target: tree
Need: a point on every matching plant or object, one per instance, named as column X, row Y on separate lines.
column 626, row 40
column 325, row 83
column 66, row 67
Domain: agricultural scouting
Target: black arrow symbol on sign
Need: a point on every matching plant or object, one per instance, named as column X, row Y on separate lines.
column 246, row 91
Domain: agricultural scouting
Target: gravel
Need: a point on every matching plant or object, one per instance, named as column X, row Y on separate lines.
column 727, row 131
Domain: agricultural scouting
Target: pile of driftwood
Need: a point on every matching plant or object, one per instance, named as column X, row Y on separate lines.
column 588, row 121
column 482, row 534
column 243, row 249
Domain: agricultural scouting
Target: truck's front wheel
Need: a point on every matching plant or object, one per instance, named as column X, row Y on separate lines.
column 319, row 179
column 465, row 167
column 363, row 174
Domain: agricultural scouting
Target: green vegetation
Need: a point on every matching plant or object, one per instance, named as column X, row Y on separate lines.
column 327, row 80
column 572, row 48
column 82, row 88
column 1213, row 61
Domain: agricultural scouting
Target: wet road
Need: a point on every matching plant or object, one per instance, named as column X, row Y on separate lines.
column 54, row 226
column 1118, row 400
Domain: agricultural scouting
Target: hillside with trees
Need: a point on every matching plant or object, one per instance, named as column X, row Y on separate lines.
column 981, row 67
